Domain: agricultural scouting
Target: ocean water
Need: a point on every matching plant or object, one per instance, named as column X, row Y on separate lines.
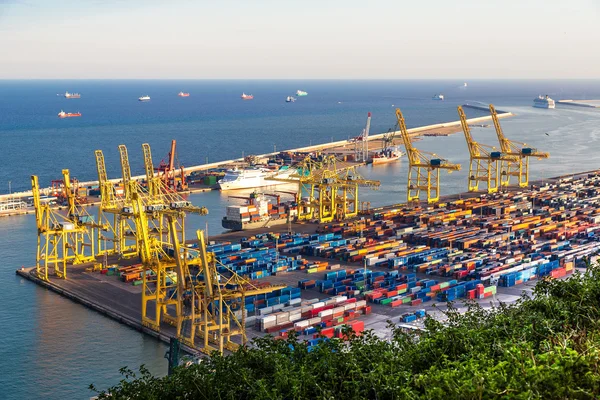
column 57, row 348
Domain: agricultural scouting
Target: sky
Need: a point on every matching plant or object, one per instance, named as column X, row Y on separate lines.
column 304, row 39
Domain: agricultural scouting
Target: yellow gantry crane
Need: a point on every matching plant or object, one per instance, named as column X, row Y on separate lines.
column 119, row 230
column 327, row 191
column 182, row 287
column 424, row 169
column 347, row 182
column 484, row 160
column 58, row 238
column 517, row 156
column 214, row 304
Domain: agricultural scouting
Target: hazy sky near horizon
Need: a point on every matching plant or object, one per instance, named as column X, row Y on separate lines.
column 299, row 39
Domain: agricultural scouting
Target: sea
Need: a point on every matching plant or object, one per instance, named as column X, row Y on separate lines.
column 54, row 348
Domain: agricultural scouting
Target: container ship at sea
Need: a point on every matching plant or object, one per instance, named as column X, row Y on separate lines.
column 72, row 95
column 63, row 114
column 183, row 94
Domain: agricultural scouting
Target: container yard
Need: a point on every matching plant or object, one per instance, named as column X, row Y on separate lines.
column 395, row 263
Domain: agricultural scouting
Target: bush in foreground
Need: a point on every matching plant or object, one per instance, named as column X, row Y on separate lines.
column 543, row 347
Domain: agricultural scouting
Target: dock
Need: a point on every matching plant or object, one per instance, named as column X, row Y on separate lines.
column 580, row 103
column 396, row 263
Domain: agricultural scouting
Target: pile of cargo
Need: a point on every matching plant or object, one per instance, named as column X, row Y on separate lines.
column 310, row 315
column 412, row 317
column 257, row 260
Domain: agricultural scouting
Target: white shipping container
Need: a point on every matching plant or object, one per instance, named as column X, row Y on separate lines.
column 311, row 301
column 294, row 302
column 314, row 320
column 350, row 306
column 278, row 307
column 338, row 310
column 295, row 317
column 301, row 324
column 318, row 305
column 268, row 318
column 339, row 299
column 266, row 310
column 325, row 313
column 361, row 303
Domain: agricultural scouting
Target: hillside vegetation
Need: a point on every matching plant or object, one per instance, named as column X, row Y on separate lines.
column 541, row 347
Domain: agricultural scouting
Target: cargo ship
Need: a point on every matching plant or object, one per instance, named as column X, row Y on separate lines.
column 386, row 156
column 144, row 98
column 72, row 95
column 183, row 94
column 438, row 97
column 247, row 96
column 258, row 212
column 63, row 114
column 290, row 99
column 544, row 102
column 301, row 93
column 248, row 178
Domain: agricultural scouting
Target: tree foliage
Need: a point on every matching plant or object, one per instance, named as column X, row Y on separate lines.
column 546, row 346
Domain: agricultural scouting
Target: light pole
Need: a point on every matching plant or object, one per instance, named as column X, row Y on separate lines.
column 9, row 187
column 274, row 148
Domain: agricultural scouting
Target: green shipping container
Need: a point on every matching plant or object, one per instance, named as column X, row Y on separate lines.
column 136, row 283
column 210, row 180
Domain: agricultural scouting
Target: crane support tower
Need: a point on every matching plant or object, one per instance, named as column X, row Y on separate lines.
column 424, row 168
column 484, row 160
column 518, row 155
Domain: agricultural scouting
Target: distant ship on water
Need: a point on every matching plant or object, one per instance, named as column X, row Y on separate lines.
column 183, row 94
column 301, row 93
column 72, row 95
column 544, row 102
column 63, row 114
column 247, row 96
column 438, row 97
column 290, row 99
column 144, row 98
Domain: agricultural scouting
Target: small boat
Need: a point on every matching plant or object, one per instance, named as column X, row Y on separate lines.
column 183, row 94
column 301, row 93
column 290, row 99
column 438, row 97
column 247, row 96
column 63, row 114
column 72, row 95
column 465, row 84
column 144, row 98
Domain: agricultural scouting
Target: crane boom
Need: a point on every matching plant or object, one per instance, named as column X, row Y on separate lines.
column 106, row 187
column 125, row 171
column 172, row 156
column 410, row 150
column 35, row 190
column 473, row 150
column 68, row 191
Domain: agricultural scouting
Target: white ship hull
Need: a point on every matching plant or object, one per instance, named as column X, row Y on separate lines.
column 254, row 181
column 544, row 105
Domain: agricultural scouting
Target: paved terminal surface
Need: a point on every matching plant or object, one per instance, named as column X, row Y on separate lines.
column 121, row 301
